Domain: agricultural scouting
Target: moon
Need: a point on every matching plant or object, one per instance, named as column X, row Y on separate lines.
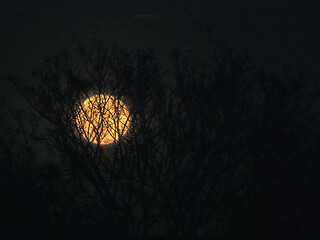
column 102, row 119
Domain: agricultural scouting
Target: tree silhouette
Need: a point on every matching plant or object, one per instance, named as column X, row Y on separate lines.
column 29, row 192
column 282, row 176
column 213, row 152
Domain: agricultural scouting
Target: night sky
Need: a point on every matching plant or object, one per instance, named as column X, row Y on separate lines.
column 272, row 32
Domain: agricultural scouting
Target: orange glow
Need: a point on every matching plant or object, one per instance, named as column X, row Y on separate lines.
column 102, row 119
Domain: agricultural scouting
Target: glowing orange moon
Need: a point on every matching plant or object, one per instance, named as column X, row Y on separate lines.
column 102, row 119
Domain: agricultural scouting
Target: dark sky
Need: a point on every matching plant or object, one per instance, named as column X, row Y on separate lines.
column 273, row 31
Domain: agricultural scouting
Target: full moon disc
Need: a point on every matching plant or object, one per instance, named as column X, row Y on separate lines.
column 102, row 119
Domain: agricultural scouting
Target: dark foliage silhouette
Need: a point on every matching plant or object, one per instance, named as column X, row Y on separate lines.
column 225, row 149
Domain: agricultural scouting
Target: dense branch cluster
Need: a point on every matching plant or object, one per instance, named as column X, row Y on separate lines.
column 190, row 157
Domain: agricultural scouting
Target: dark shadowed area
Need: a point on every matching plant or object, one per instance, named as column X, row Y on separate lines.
column 223, row 137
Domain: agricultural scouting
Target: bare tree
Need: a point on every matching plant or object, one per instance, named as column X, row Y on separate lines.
column 28, row 186
column 184, row 156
